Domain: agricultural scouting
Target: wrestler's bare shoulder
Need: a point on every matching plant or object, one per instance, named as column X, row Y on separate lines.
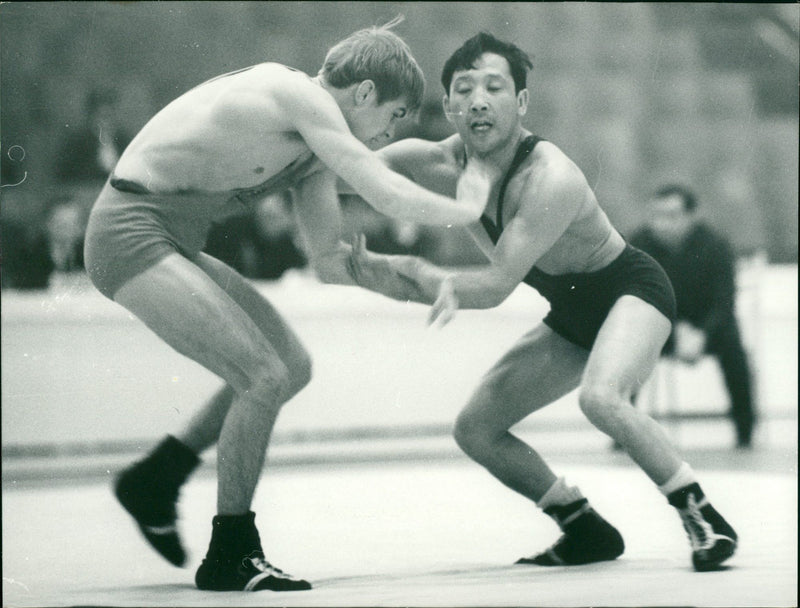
column 229, row 132
column 547, row 172
column 231, row 101
column 432, row 164
column 266, row 91
column 422, row 151
column 549, row 162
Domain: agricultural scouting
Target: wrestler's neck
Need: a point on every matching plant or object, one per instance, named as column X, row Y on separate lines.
column 500, row 156
column 343, row 97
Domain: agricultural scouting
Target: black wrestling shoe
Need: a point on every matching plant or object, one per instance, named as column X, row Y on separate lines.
column 587, row 538
column 148, row 490
column 249, row 573
column 235, row 560
column 712, row 538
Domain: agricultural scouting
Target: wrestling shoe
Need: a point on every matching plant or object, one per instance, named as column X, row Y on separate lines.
column 587, row 538
column 250, row 573
column 235, row 560
column 148, row 490
column 712, row 538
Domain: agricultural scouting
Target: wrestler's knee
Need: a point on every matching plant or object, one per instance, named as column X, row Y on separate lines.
column 300, row 372
column 472, row 434
column 267, row 381
column 467, row 434
column 602, row 404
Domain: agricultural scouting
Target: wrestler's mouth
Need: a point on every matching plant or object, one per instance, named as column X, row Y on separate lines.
column 480, row 125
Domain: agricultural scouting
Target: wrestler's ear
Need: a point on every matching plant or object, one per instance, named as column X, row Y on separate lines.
column 363, row 91
column 523, row 97
column 446, row 108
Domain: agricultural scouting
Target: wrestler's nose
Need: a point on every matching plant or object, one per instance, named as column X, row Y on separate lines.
column 478, row 103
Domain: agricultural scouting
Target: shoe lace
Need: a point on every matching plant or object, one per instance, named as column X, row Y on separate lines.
column 260, row 563
column 701, row 534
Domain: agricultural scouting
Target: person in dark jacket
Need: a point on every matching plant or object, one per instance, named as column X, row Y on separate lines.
column 25, row 263
column 701, row 265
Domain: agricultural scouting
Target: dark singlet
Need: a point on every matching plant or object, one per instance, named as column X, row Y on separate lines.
column 579, row 302
column 537, row 279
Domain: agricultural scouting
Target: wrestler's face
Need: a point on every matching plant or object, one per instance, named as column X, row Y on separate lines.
column 483, row 105
column 373, row 123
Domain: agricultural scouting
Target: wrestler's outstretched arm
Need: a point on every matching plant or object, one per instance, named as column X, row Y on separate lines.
column 320, row 122
column 319, row 219
column 531, row 233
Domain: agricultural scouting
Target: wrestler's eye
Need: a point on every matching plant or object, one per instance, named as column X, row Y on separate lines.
column 400, row 113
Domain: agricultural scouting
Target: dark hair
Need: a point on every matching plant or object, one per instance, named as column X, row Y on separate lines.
column 687, row 196
column 466, row 56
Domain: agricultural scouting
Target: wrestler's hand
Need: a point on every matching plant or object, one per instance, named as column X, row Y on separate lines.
column 363, row 264
column 444, row 308
column 376, row 273
column 690, row 342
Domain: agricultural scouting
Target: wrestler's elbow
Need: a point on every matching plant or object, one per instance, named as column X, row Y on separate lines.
column 473, row 210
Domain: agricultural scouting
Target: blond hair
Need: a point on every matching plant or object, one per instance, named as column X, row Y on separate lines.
column 377, row 54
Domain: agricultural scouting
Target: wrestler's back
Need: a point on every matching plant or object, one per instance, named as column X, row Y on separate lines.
column 224, row 134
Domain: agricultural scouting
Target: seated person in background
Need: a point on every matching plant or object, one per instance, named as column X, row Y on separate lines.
column 25, row 262
column 65, row 227
column 260, row 245
column 700, row 263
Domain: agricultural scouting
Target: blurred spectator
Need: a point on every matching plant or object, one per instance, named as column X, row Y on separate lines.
column 260, row 245
column 701, row 265
column 93, row 146
column 25, row 262
column 401, row 238
column 65, row 228
column 86, row 157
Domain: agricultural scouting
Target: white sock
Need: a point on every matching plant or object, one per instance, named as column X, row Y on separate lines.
column 559, row 494
column 682, row 478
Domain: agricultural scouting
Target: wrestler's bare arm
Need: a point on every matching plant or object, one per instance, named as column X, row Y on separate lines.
column 551, row 197
column 319, row 121
column 318, row 215
column 319, row 218
column 412, row 157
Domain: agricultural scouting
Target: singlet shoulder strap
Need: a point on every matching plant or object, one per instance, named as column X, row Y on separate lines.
column 525, row 147
column 239, row 71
